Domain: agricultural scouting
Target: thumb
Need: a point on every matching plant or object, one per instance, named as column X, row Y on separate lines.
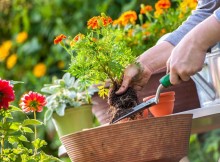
column 124, row 85
column 168, row 65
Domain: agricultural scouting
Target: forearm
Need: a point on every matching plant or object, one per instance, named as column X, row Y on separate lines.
column 156, row 57
column 206, row 34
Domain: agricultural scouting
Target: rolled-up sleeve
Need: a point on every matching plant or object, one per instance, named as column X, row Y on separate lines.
column 217, row 14
column 204, row 9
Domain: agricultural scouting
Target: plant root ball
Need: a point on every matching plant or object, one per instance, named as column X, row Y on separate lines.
column 120, row 104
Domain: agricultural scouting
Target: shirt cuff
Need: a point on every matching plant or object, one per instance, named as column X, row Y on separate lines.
column 217, row 14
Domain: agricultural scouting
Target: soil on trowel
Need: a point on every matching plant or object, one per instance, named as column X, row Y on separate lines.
column 120, row 104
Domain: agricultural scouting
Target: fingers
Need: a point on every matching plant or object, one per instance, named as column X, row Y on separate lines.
column 134, row 77
column 177, row 75
column 130, row 72
column 168, row 65
column 174, row 78
column 124, row 85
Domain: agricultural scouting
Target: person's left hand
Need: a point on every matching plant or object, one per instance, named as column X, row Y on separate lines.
column 186, row 59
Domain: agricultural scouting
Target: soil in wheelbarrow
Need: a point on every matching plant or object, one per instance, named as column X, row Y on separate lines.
column 120, row 104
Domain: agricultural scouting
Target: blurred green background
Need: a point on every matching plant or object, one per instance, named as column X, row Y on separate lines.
column 36, row 60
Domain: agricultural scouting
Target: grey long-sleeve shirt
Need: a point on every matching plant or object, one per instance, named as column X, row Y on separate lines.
column 204, row 9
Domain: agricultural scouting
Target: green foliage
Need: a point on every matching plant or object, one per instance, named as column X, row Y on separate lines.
column 13, row 135
column 102, row 54
column 205, row 147
column 65, row 93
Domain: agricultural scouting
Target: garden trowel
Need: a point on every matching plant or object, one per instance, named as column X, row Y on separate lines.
column 164, row 83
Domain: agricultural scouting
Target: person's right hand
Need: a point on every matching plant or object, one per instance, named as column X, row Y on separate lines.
column 135, row 76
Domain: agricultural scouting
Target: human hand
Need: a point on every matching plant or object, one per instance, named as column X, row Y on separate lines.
column 149, row 62
column 188, row 56
column 135, row 75
column 185, row 62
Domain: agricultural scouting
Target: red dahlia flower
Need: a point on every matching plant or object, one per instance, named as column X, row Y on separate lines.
column 32, row 101
column 6, row 94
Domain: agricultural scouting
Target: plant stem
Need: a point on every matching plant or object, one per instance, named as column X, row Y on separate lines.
column 3, row 137
column 35, row 133
column 67, row 50
column 104, row 69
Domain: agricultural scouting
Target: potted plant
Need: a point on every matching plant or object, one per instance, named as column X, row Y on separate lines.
column 100, row 56
column 68, row 104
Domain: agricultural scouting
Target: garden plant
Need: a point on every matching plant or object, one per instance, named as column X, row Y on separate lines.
column 13, row 133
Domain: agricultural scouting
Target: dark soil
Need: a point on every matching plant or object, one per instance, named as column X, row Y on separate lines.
column 119, row 104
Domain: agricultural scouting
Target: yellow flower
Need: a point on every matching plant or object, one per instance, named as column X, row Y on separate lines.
column 21, row 37
column 11, row 61
column 187, row 5
column 193, row 4
column 39, row 70
column 4, row 50
column 7, row 44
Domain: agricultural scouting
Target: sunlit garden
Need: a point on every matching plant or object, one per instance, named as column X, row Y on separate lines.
column 61, row 55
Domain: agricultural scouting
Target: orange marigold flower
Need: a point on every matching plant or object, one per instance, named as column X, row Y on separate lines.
column 128, row 17
column 59, row 38
column 106, row 20
column 98, row 21
column 32, row 102
column 93, row 23
column 146, row 9
column 162, row 4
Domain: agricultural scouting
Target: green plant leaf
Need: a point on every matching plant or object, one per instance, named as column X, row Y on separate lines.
column 15, row 126
column 31, row 122
column 38, row 143
column 45, row 157
column 23, row 138
column 15, row 82
column 27, row 130
column 14, row 108
column 12, row 140
column 48, row 115
column 61, row 109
